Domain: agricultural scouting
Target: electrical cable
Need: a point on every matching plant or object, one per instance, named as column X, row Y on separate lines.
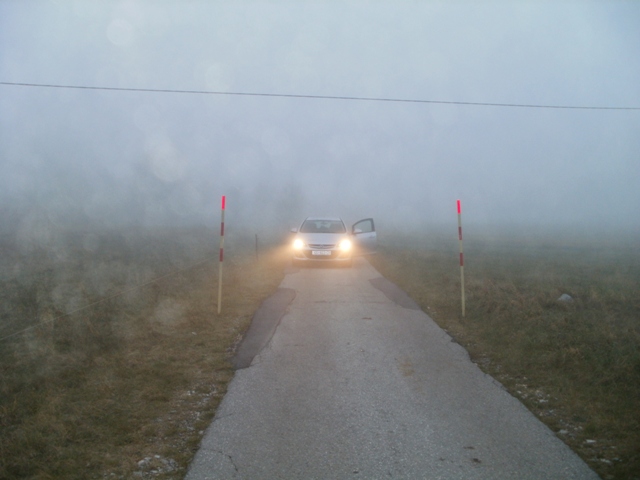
column 319, row 97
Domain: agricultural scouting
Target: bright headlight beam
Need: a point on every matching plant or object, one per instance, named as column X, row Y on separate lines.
column 298, row 244
column 345, row 245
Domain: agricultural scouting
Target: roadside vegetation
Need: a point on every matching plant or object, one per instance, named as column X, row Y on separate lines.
column 113, row 358
column 112, row 355
column 576, row 364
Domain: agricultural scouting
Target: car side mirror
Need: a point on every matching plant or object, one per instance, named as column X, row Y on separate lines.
column 356, row 231
column 294, row 230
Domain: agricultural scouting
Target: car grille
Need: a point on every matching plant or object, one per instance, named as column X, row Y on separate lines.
column 322, row 247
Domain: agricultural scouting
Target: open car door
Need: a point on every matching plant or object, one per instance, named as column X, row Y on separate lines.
column 365, row 238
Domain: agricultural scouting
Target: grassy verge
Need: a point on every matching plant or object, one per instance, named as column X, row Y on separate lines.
column 576, row 365
column 125, row 387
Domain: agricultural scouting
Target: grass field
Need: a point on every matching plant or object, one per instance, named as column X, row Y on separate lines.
column 127, row 358
column 576, row 365
column 113, row 357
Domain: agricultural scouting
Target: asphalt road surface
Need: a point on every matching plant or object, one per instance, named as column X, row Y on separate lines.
column 356, row 382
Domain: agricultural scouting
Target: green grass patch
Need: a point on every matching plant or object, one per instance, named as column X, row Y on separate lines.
column 113, row 356
column 576, row 365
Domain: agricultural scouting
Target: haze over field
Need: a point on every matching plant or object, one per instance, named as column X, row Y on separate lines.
column 129, row 158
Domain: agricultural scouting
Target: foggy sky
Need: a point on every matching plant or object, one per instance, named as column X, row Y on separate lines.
column 135, row 158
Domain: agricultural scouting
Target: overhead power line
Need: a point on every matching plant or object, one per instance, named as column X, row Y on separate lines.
column 317, row 97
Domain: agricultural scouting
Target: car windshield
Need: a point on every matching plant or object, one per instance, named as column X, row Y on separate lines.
column 323, row 226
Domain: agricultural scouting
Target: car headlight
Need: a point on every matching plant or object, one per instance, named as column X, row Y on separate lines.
column 298, row 244
column 345, row 245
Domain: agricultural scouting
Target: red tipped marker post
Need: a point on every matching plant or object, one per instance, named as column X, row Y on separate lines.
column 461, row 255
column 221, row 254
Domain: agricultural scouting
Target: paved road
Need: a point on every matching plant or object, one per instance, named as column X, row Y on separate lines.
column 357, row 382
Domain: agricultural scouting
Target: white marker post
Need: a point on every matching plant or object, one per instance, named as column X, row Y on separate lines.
column 461, row 255
column 221, row 255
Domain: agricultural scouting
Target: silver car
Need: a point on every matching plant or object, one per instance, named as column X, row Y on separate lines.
column 326, row 239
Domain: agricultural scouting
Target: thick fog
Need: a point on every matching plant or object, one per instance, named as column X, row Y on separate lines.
column 124, row 158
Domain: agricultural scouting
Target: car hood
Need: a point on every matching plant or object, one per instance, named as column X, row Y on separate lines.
column 322, row 238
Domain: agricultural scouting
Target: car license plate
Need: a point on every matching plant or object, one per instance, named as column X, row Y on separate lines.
column 320, row 252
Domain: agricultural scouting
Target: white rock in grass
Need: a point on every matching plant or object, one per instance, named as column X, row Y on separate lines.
column 565, row 298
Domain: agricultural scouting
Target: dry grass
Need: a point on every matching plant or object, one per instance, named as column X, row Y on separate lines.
column 126, row 387
column 575, row 365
